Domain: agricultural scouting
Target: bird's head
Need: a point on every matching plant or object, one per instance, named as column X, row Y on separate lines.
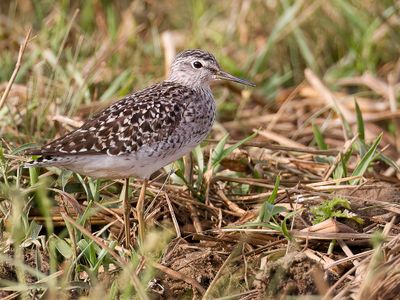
column 198, row 68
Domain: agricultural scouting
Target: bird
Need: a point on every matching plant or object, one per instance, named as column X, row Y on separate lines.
column 144, row 131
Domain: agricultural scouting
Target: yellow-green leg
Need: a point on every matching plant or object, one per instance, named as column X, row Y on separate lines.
column 127, row 211
column 140, row 211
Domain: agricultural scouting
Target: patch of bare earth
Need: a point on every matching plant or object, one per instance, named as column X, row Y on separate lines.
column 34, row 258
column 192, row 261
column 293, row 274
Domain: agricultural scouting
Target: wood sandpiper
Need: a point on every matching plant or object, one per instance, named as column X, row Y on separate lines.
column 144, row 131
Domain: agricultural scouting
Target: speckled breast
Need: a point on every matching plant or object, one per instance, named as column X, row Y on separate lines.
column 197, row 122
column 200, row 115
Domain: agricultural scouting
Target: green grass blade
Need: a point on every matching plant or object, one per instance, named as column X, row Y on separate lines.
column 302, row 44
column 287, row 17
column 33, row 175
column 115, row 85
column 272, row 197
column 319, row 139
column 199, row 157
column 63, row 247
column 387, row 160
column 267, row 209
column 365, row 162
column 220, row 153
column 360, row 122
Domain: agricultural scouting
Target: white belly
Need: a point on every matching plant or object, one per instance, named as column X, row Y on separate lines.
column 123, row 166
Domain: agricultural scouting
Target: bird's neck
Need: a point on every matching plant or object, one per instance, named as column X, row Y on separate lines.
column 188, row 80
column 198, row 87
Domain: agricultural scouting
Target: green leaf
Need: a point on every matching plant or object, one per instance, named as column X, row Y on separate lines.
column 387, row 160
column 319, row 139
column 178, row 176
column 103, row 254
column 216, row 156
column 34, row 230
column 64, row 178
column 304, row 48
column 198, row 156
column 94, row 185
column 220, row 153
column 346, row 125
column 44, row 203
column 284, row 228
column 364, row 163
column 280, row 25
column 33, row 176
column 267, row 209
column 63, row 247
column 341, row 169
column 88, row 250
column 360, row 122
column 2, row 157
column 230, row 149
column 272, row 197
column 85, row 187
column 331, row 209
column 271, row 210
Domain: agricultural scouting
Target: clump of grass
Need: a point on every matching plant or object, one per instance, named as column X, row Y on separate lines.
column 335, row 208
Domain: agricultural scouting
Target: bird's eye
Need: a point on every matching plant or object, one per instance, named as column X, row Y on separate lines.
column 197, row 65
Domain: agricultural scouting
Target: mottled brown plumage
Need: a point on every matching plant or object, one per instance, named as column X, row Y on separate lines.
column 146, row 130
column 146, row 117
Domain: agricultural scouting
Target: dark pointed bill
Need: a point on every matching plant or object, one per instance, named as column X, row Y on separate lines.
column 226, row 76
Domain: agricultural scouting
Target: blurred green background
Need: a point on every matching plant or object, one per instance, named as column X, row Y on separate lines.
column 84, row 52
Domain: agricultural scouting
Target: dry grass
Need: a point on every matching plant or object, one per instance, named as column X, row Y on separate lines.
column 308, row 206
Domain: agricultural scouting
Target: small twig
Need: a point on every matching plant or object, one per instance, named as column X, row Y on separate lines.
column 16, row 69
column 231, row 205
column 178, row 275
column 341, row 279
column 348, row 251
column 282, row 108
column 173, row 217
column 251, row 294
column 195, row 218
column 280, row 139
column 348, row 258
column 110, row 211
column 304, row 235
column 67, row 121
column 327, row 95
column 338, row 158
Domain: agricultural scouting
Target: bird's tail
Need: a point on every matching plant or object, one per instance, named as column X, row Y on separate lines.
column 47, row 161
column 30, row 164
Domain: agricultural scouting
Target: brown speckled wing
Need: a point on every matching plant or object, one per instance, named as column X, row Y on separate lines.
column 146, row 117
